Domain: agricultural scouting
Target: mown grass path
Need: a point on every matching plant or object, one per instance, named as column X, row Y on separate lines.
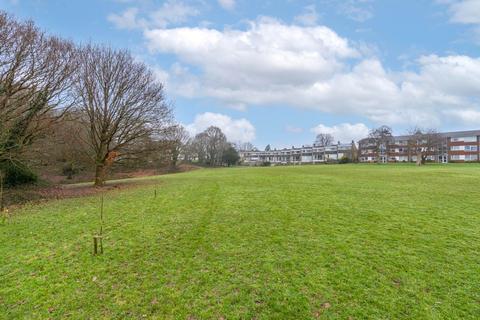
column 330, row 242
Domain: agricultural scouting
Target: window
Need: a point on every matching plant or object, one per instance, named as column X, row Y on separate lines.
column 465, row 139
column 471, row 148
column 457, row 157
column 471, row 157
column 457, row 148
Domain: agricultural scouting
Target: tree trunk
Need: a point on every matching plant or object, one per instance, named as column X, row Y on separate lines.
column 419, row 159
column 173, row 163
column 99, row 175
column 1, row 191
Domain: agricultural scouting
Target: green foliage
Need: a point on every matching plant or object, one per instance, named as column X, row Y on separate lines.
column 344, row 160
column 304, row 242
column 17, row 173
column 70, row 169
column 230, row 156
column 266, row 164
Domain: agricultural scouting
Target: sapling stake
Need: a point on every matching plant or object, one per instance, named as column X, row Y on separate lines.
column 3, row 211
column 98, row 239
column 1, row 191
column 101, row 227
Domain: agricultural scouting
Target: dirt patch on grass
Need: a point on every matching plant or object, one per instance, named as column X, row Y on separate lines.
column 53, row 176
column 16, row 197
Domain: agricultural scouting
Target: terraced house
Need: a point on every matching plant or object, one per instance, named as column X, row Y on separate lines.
column 458, row 146
column 307, row 154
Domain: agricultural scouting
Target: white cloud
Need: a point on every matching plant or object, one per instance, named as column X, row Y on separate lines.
column 171, row 12
column 309, row 17
column 271, row 63
column 266, row 58
column 125, row 20
column 465, row 11
column 227, row 4
column 357, row 10
column 344, row 132
column 467, row 116
column 236, row 130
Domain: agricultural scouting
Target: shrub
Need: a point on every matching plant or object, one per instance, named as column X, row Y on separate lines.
column 70, row 170
column 344, row 159
column 17, row 173
column 266, row 164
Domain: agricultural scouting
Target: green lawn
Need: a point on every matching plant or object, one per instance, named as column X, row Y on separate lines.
column 329, row 242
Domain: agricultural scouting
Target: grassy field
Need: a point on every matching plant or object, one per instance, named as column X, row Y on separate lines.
column 329, row 242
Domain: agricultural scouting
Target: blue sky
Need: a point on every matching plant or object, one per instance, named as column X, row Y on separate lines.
column 279, row 72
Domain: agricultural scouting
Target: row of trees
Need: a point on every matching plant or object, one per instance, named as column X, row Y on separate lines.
column 90, row 105
column 115, row 100
column 208, row 148
column 211, row 148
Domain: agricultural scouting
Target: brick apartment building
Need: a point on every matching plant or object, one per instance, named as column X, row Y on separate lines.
column 459, row 146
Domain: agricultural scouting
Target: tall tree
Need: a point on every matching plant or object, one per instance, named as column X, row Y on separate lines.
column 230, row 155
column 209, row 146
column 216, row 145
column 35, row 77
column 244, row 146
column 176, row 141
column 122, row 101
column 198, row 147
column 63, row 146
column 424, row 143
column 381, row 137
column 324, row 139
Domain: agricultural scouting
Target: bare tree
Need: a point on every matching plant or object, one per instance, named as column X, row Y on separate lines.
column 198, row 147
column 63, row 146
column 216, row 145
column 122, row 103
column 381, row 137
column 324, row 139
column 176, row 141
column 244, row 146
column 35, row 80
column 424, row 143
column 210, row 145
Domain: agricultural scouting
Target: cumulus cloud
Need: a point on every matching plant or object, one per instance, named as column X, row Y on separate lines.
column 236, row 130
column 465, row 11
column 272, row 63
column 227, row 4
column 171, row 12
column 344, row 132
column 468, row 116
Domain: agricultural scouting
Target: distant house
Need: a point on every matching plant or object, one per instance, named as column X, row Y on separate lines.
column 307, row 154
